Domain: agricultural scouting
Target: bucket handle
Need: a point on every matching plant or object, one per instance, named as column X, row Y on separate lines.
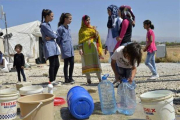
column 31, row 111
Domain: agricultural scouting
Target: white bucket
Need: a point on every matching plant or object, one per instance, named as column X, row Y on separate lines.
column 158, row 105
column 29, row 90
column 8, row 104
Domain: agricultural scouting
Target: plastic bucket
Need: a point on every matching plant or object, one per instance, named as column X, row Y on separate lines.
column 8, row 104
column 37, row 107
column 29, row 90
column 80, row 103
column 158, row 105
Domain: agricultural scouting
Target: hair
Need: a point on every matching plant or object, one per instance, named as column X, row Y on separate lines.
column 134, row 52
column 85, row 17
column 63, row 16
column 45, row 12
column 148, row 22
column 18, row 46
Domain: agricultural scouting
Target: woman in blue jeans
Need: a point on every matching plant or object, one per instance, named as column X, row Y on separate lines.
column 150, row 48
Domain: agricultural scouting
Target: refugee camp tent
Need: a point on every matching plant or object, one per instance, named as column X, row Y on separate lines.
column 29, row 36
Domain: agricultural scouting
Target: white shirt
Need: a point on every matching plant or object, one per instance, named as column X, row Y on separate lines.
column 110, row 41
column 120, row 59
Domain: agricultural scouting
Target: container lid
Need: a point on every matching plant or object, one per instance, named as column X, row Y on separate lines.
column 156, row 95
column 124, row 80
column 59, row 101
column 105, row 77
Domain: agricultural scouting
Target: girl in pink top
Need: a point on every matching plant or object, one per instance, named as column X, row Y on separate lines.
column 150, row 48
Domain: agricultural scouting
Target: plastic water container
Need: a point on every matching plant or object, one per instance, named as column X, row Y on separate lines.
column 50, row 88
column 80, row 102
column 107, row 96
column 126, row 98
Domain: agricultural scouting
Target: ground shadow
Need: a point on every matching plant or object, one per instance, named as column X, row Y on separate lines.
column 92, row 84
column 66, row 115
column 136, row 119
column 8, row 83
column 97, row 108
column 44, row 85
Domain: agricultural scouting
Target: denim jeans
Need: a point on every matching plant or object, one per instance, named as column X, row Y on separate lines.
column 150, row 62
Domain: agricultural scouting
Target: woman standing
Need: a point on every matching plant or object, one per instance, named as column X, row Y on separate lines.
column 113, row 25
column 50, row 47
column 90, row 49
column 125, row 35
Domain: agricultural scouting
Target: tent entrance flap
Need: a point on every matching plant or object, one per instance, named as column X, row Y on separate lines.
column 40, row 59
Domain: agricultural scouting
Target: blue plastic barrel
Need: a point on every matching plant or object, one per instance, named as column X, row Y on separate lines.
column 80, row 102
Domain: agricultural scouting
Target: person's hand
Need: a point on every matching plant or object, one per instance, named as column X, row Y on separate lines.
column 145, row 49
column 130, row 80
column 105, row 52
column 118, row 38
column 22, row 67
column 80, row 52
column 48, row 38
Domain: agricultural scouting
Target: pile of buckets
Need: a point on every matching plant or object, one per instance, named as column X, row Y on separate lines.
column 33, row 105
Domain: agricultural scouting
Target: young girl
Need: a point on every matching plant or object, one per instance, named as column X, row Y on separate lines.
column 127, row 59
column 65, row 42
column 50, row 47
column 113, row 28
column 19, row 62
column 150, row 48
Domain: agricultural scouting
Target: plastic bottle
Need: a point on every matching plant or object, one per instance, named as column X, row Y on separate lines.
column 126, row 98
column 107, row 96
column 50, row 88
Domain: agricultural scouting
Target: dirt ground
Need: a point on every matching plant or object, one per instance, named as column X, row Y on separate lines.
column 37, row 74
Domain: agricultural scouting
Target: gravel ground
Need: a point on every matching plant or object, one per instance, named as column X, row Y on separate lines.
column 169, row 80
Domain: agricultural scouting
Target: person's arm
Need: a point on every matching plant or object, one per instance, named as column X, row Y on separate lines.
column 148, row 42
column 59, row 36
column 125, row 25
column 48, row 31
column 23, row 61
column 133, row 74
column 14, row 61
column 113, row 65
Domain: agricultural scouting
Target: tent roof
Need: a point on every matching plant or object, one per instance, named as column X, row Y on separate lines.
column 27, row 28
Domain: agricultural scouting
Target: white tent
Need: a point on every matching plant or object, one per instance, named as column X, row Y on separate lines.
column 27, row 35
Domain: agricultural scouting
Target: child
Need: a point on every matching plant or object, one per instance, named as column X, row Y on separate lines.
column 65, row 42
column 150, row 48
column 19, row 62
column 126, row 58
column 50, row 47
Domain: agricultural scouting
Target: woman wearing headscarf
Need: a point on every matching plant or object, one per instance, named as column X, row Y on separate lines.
column 90, row 49
column 113, row 26
column 125, row 35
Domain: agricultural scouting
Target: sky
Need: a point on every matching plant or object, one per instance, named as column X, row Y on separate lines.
column 164, row 14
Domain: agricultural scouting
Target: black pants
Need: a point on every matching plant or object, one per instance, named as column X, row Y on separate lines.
column 125, row 72
column 20, row 70
column 69, row 60
column 54, row 66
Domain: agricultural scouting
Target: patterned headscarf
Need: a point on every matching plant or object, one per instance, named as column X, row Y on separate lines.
column 114, row 14
column 88, row 33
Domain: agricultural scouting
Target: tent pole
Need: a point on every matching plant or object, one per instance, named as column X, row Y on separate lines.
column 7, row 37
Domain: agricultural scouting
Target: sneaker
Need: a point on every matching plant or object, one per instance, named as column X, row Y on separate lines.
column 54, row 83
column 66, row 81
column 154, row 77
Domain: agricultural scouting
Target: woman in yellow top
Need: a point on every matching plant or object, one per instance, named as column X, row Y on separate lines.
column 90, row 49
